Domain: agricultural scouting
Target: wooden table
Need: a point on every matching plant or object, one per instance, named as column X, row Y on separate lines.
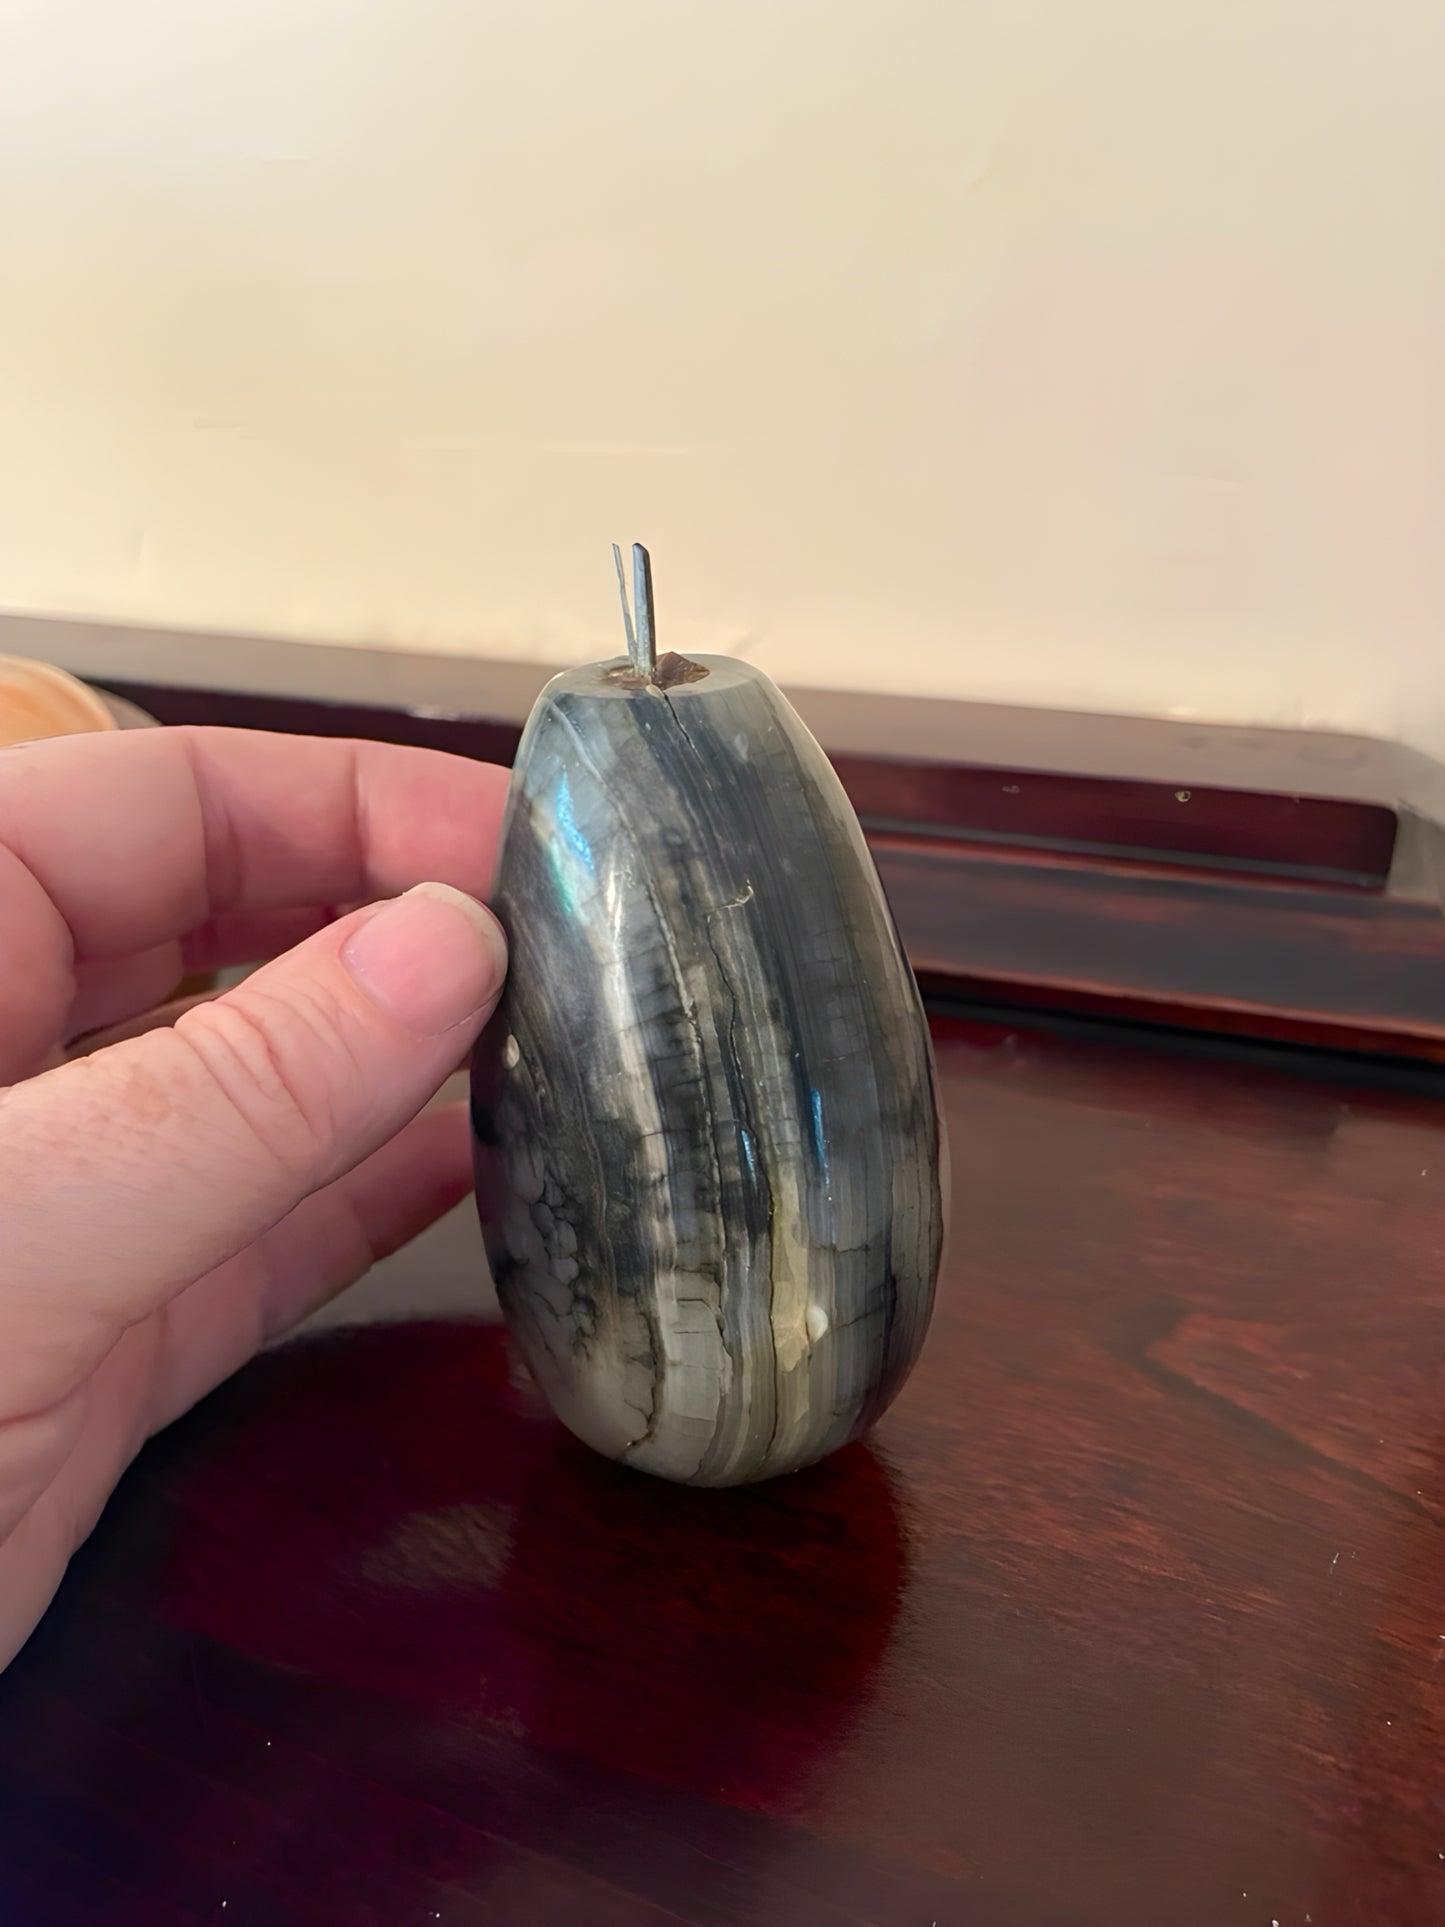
column 1130, row 1612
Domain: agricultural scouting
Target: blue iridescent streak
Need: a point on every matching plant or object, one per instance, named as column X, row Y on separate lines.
column 819, row 1144
column 567, row 824
column 567, row 838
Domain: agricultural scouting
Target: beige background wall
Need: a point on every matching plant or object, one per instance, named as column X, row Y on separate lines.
column 1086, row 354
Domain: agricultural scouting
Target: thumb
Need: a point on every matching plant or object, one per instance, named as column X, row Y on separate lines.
column 127, row 1174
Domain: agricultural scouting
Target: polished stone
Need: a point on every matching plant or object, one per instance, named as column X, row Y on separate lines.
column 707, row 1136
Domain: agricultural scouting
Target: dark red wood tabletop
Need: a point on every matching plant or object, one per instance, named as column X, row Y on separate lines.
column 1131, row 1611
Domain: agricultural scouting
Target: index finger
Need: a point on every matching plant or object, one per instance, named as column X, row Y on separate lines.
column 138, row 836
column 117, row 843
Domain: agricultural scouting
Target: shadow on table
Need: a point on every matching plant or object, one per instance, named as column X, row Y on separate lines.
column 372, row 1572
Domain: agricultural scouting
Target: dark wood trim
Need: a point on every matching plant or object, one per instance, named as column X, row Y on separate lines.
column 1336, row 967
column 1275, row 801
column 1264, row 882
column 1351, row 1051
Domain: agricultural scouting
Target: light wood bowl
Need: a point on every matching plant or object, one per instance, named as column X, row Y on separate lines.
column 36, row 700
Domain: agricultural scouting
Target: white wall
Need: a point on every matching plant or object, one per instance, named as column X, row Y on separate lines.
column 1084, row 354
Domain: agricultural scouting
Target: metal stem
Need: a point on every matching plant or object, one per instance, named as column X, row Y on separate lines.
column 641, row 640
column 644, row 650
column 626, row 612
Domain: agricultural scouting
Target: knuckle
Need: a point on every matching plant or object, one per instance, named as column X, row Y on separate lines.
column 278, row 1065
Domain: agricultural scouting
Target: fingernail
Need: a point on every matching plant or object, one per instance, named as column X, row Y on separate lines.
column 431, row 959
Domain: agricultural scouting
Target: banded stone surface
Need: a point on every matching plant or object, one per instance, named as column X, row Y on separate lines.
column 707, row 1137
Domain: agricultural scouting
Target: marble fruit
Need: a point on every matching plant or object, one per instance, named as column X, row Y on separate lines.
column 707, row 1135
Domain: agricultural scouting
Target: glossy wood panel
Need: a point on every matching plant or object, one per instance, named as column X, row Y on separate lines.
column 1132, row 1610
column 973, row 794
column 1294, row 892
column 1285, row 801
column 1276, row 958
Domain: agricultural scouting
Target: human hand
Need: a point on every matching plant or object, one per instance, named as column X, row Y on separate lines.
column 171, row 1202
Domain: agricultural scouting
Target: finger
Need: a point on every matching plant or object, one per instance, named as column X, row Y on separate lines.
column 33, row 1556
column 255, row 936
column 156, row 1019
column 164, row 1365
column 119, row 988
column 139, row 837
column 107, row 993
column 116, row 844
column 127, row 1174
column 327, row 1243
column 58, row 1468
column 100, row 1423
